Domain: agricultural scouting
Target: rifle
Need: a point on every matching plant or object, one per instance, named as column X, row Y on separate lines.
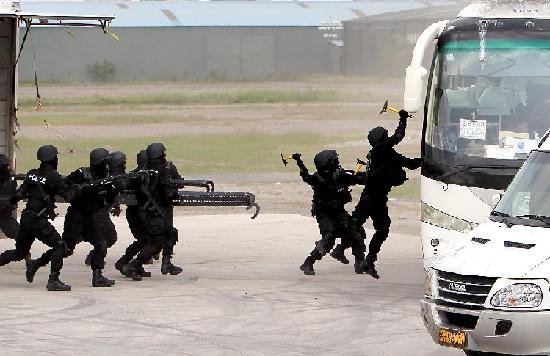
column 202, row 183
column 193, row 198
column 122, row 179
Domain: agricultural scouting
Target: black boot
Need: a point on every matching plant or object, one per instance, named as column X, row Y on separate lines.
column 88, row 260
column 32, row 267
column 119, row 265
column 167, row 267
column 338, row 254
column 143, row 273
column 98, row 280
column 307, row 267
column 150, row 261
column 132, row 270
column 54, row 284
column 358, row 266
column 368, row 266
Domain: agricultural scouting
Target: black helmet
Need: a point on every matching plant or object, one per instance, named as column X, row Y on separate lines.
column 155, row 150
column 376, row 135
column 117, row 158
column 4, row 161
column 142, row 159
column 98, row 155
column 46, row 153
column 326, row 160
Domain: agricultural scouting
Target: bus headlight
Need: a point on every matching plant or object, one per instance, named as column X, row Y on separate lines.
column 430, row 283
column 438, row 218
column 520, row 295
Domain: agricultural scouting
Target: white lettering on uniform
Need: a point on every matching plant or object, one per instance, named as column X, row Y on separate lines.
column 38, row 179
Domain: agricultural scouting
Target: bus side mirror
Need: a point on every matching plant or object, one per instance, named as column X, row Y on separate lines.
column 496, row 199
column 414, row 88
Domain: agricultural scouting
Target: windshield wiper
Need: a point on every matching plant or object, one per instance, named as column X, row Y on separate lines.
column 472, row 166
column 502, row 217
column 544, row 219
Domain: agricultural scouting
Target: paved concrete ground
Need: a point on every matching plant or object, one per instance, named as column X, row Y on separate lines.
column 241, row 294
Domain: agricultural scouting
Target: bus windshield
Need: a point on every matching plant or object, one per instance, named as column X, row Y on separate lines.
column 490, row 100
column 528, row 194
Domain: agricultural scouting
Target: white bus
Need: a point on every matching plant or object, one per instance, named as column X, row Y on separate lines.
column 487, row 106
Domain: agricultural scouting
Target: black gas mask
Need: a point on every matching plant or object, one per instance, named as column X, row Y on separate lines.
column 327, row 162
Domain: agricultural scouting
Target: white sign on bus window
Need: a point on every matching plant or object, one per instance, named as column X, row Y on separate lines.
column 473, row 129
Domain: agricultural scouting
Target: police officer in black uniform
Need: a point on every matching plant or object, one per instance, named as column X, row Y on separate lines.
column 158, row 215
column 40, row 188
column 385, row 171
column 8, row 204
column 102, row 219
column 137, row 226
column 81, row 221
column 330, row 195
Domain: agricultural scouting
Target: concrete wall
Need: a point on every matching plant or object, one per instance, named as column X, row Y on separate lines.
column 179, row 53
column 7, row 84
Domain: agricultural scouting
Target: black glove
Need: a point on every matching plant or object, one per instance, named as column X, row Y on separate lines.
column 417, row 162
column 296, row 156
column 116, row 210
column 403, row 114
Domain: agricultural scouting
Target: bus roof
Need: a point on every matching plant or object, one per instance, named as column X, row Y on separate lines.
column 500, row 9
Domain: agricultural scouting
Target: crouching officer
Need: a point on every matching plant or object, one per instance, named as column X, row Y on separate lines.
column 330, row 194
column 385, row 171
column 8, row 204
column 40, row 188
column 158, row 215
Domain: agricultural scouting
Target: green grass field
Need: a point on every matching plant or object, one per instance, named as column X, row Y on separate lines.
column 196, row 154
column 182, row 98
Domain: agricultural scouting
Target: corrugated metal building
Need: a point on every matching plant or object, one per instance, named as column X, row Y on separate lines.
column 188, row 40
column 382, row 45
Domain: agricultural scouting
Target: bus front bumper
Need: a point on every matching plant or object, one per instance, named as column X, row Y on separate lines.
column 508, row 332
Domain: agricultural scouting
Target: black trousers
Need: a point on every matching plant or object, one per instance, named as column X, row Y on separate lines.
column 333, row 224
column 161, row 234
column 8, row 224
column 374, row 206
column 139, row 231
column 34, row 227
column 105, row 227
column 81, row 226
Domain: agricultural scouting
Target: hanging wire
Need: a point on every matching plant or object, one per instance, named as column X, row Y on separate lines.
column 28, row 30
column 69, row 32
column 107, row 30
column 53, row 133
column 38, row 100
